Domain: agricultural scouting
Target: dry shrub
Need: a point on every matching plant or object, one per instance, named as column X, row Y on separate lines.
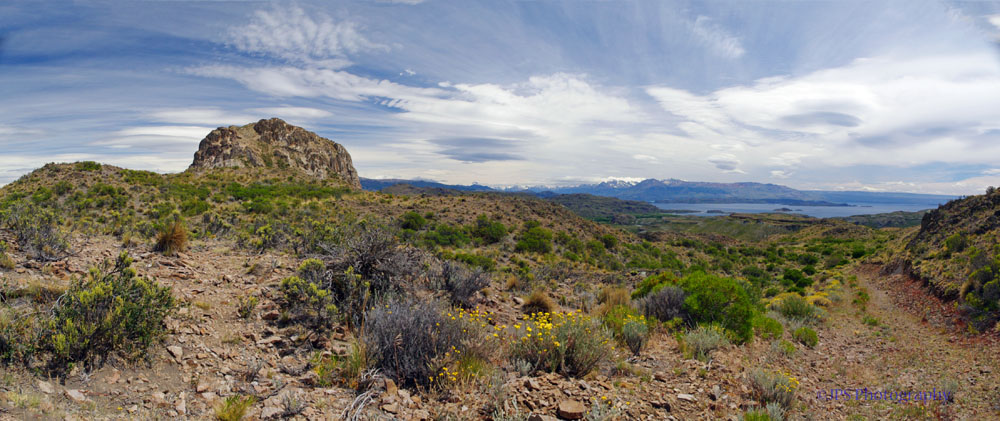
column 538, row 302
column 611, row 297
column 172, row 239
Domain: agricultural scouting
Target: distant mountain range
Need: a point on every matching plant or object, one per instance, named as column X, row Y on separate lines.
column 679, row 191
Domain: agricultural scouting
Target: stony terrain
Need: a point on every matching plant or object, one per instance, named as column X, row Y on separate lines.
column 819, row 305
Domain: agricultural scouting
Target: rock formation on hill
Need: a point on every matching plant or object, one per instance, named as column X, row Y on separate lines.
column 274, row 143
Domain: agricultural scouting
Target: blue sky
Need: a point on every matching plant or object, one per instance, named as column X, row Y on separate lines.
column 896, row 96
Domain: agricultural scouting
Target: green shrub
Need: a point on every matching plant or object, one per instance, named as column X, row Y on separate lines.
column 702, row 340
column 635, row 334
column 234, row 408
column 312, row 270
column 795, row 307
column 647, row 285
column 412, row 221
column 770, row 387
column 772, row 412
column 610, row 241
column 534, row 239
column 783, row 347
column 112, row 312
column 487, row 231
column 806, row 336
column 714, row 299
column 37, row 231
column 767, row 328
column 470, row 259
column 956, row 243
column 571, row 344
column 446, row 235
column 870, row 321
column 861, row 298
column 88, row 166
column 246, row 306
column 307, row 303
column 6, row 262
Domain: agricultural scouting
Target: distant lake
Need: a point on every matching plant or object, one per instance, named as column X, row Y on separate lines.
column 701, row 209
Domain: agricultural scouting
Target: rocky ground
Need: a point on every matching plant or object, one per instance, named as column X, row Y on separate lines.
column 211, row 353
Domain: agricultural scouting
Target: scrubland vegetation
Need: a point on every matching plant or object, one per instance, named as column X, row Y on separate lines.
column 441, row 295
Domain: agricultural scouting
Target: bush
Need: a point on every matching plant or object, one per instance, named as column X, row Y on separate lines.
column 538, row 302
column 571, row 344
column 374, row 254
column 665, row 304
column 783, row 347
column 461, row 283
column 37, row 232
column 487, row 231
column 483, row 262
column 412, row 221
column 956, row 243
column 767, row 328
column 6, row 262
column 635, row 334
column 88, row 166
column 794, row 307
column 714, row 299
column 306, row 303
column 312, row 270
column 769, row 387
column 112, row 312
column 172, row 238
column 772, row 412
column 806, row 336
column 702, row 340
column 446, row 235
column 234, row 408
column 610, row 297
column 534, row 239
column 246, row 306
column 406, row 340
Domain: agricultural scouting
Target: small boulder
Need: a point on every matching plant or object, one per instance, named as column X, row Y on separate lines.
column 176, row 351
column 571, row 410
column 77, row 396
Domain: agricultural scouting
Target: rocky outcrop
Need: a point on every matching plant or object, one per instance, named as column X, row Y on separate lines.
column 273, row 143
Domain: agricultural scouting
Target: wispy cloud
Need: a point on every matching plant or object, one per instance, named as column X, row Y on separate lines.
column 292, row 34
column 716, row 38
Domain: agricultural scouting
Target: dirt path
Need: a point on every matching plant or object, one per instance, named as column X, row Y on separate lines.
column 907, row 345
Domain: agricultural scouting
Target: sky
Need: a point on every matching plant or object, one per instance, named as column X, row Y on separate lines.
column 833, row 95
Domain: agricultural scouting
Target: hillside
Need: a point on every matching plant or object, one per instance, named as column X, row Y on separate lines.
column 245, row 290
column 957, row 252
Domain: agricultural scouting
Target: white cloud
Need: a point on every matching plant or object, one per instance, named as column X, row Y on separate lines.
column 292, row 34
column 288, row 113
column 995, row 20
column 877, row 111
column 172, row 131
column 716, row 38
column 205, row 116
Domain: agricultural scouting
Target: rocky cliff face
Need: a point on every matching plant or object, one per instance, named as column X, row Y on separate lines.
column 272, row 143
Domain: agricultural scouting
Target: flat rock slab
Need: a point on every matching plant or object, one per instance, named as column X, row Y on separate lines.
column 571, row 410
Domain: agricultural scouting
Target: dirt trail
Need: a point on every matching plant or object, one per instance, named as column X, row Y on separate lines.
column 907, row 345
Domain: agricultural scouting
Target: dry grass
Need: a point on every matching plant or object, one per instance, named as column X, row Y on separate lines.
column 538, row 302
column 172, row 239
